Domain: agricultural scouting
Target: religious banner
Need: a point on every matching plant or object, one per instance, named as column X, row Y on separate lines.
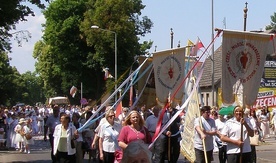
column 169, row 69
column 187, row 142
column 243, row 58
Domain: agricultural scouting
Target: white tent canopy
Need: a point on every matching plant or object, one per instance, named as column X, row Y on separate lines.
column 58, row 100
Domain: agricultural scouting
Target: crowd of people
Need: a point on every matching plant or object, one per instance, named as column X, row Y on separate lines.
column 111, row 138
column 230, row 135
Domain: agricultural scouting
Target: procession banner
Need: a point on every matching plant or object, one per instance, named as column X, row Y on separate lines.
column 187, row 142
column 169, row 69
column 243, row 58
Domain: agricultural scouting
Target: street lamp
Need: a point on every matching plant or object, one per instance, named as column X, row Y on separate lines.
column 115, row 40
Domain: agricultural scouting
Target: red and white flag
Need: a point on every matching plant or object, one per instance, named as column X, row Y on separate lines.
column 197, row 46
column 107, row 74
column 243, row 58
column 118, row 109
column 73, row 91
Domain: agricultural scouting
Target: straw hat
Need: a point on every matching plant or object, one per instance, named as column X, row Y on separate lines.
column 21, row 120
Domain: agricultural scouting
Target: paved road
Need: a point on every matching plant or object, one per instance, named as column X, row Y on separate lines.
column 40, row 153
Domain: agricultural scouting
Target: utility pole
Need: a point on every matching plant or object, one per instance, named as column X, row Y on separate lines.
column 171, row 38
column 212, row 58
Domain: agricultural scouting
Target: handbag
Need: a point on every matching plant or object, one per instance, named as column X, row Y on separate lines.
column 254, row 140
column 28, row 136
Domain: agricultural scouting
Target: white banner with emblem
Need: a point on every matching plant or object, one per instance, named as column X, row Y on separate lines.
column 243, row 57
column 169, row 69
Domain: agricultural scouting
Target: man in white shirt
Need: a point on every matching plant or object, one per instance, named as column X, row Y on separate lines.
column 158, row 147
column 204, row 133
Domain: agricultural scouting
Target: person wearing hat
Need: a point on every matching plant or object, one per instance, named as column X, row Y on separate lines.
column 19, row 137
column 205, row 128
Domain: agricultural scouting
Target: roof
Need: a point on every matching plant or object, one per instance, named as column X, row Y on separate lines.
column 206, row 80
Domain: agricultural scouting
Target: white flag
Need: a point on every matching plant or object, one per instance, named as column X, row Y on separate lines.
column 73, row 91
column 243, row 57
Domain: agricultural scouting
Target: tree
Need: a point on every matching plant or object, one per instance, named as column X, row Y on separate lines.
column 10, row 82
column 13, row 11
column 32, row 89
column 272, row 25
column 71, row 52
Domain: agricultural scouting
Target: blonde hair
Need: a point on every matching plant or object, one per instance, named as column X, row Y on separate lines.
column 127, row 119
column 108, row 112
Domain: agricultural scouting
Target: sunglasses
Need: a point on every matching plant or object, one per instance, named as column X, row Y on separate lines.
column 111, row 116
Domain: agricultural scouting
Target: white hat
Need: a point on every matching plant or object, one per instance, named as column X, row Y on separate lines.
column 21, row 120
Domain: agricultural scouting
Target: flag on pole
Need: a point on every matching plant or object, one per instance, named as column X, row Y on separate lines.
column 119, row 109
column 107, row 74
column 73, row 91
column 197, row 46
column 189, row 47
column 243, row 58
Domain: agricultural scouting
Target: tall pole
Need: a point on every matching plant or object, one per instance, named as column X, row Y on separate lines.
column 243, row 104
column 171, row 38
column 116, row 77
column 115, row 55
column 81, row 94
column 169, row 101
column 212, row 58
column 245, row 16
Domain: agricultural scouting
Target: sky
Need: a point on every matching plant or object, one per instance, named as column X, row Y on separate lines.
column 188, row 19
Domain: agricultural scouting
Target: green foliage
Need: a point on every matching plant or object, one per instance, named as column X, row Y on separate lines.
column 13, row 11
column 72, row 53
column 10, row 82
column 32, row 90
column 26, row 88
column 272, row 23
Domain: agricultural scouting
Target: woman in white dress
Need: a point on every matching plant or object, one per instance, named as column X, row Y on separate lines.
column 34, row 123
column 12, row 126
column 28, row 130
column 40, row 123
column 19, row 138
column 264, row 119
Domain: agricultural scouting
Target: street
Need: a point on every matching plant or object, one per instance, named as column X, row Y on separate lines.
column 40, row 153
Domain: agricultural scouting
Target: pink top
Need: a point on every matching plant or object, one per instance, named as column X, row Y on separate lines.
column 129, row 134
